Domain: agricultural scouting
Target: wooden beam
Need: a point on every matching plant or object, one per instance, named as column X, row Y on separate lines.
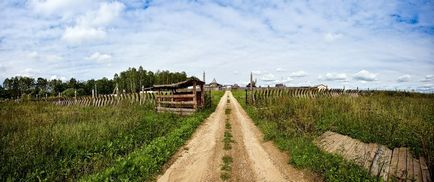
column 194, row 95
column 176, row 96
column 177, row 103
column 202, row 95
column 175, row 109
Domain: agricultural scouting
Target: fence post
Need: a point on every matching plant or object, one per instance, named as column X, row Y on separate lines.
column 194, row 97
column 246, row 98
column 93, row 97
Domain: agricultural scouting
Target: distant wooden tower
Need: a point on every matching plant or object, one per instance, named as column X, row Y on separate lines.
column 214, row 85
column 252, row 83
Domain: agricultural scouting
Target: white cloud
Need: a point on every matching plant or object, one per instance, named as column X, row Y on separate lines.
column 255, row 72
column 334, row 77
column 106, row 13
column 287, row 80
column 2, row 69
column 268, row 77
column 92, row 25
column 44, row 57
column 83, row 34
column 99, row 57
column 64, row 7
column 28, row 72
column 404, row 78
column 33, row 55
column 428, row 78
column 426, row 88
column 364, row 75
column 330, row 37
column 56, row 77
column 300, row 73
column 314, row 36
column 280, row 70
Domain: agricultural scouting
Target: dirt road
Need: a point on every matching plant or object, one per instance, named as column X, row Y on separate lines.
column 253, row 159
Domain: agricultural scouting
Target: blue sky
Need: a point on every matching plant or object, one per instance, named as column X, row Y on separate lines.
column 366, row 44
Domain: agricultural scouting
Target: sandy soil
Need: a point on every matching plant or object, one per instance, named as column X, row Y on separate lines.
column 253, row 159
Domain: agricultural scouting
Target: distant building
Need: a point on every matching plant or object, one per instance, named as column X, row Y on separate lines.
column 280, row 85
column 214, row 85
column 321, row 87
column 235, row 86
column 253, row 84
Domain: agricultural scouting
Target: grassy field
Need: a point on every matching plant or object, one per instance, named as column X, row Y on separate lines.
column 388, row 119
column 41, row 141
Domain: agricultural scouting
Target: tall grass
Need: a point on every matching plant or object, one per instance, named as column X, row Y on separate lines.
column 388, row 119
column 41, row 141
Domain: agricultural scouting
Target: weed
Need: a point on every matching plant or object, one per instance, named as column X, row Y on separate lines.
column 227, row 140
column 228, row 125
column 226, row 167
column 228, row 111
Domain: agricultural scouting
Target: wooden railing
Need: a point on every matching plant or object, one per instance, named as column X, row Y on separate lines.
column 252, row 96
column 183, row 104
column 105, row 100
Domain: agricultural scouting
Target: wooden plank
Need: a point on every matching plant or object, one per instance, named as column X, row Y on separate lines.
column 349, row 148
column 375, row 168
column 424, row 168
column 402, row 164
column 202, row 95
column 394, row 163
column 338, row 141
column 194, row 95
column 384, row 162
column 370, row 155
column 185, row 113
column 324, row 139
column 410, row 168
column 381, row 162
column 175, row 109
column 176, row 96
column 417, row 171
column 358, row 153
column 177, row 103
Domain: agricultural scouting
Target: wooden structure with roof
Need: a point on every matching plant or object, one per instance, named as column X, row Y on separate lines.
column 179, row 98
column 214, row 85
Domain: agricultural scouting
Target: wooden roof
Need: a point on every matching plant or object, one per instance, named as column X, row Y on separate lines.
column 183, row 84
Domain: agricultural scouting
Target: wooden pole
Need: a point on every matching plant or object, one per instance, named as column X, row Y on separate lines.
column 158, row 98
column 93, row 96
column 194, row 98
column 202, row 96
column 251, row 87
column 246, row 97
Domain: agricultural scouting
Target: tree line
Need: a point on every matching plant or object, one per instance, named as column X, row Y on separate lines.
column 128, row 81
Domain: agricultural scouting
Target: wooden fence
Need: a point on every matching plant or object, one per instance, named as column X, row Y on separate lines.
column 260, row 94
column 105, row 100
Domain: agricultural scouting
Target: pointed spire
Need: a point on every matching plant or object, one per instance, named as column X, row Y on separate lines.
column 214, row 81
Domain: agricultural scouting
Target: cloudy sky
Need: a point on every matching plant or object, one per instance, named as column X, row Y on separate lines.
column 366, row 44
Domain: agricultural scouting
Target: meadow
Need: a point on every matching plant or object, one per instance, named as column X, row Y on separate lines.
column 394, row 120
column 42, row 141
